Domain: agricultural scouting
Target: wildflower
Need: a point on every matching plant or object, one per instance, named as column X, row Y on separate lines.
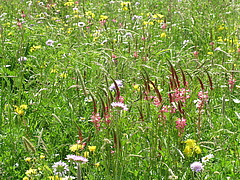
column 28, row 159
column 63, row 75
column 86, row 154
column 25, row 178
column 191, row 147
column 22, row 59
column 77, row 158
column 210, row 53
column 76, row 147
column 207, row 158
column 42, row 156
column 96, row 119
column 49, row 42
column 81, row 24
column 119, row 105
column 20, row 110
column 34, row 48
column 119, row 84
column 231, row 82
column 92, row 148
column 196, row 166
column 31, row 172
column 60, row 168
column 172, row 177
column 97, row 165
column 180, row 124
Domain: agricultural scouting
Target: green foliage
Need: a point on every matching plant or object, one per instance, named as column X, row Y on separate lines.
column 63, row 59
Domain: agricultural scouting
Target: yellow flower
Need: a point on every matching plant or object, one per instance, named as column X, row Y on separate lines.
column 86, row 154
column 42, row 156
column 188, row 151
column 191, row 147
column 63, row 75
column 92, row 148
column 20, row 110
column 163, row 35
column 24, row 106
column 190, row 142
column 70, row 3
column 25, row 178
column 75, row 147
column 97, row 165
column 28, row 159
column 34, row 48
column 210, row 53
column 89, row 14
column 31, row 172
column 102, row 17
column 197, row 149
column 54, row 178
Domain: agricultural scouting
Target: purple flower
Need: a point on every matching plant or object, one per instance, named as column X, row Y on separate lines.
column 60, row 168
column 77, row 158
column 22, row 59
column 119, row 84
column 49, row 42
column 196, row 166
column 119, row 105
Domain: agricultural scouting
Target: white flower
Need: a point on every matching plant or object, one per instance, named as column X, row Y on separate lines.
column 81, row 24
column 206, row 158
column 22, row 59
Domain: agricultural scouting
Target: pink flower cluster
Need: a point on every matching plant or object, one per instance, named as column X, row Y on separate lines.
column 180, row 95
column 202, row 99
column 231, row 82
column 168, row 108
column 96, row 119
column 180, row 125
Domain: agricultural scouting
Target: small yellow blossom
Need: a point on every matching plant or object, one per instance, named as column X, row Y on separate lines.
column 86, row 154
column 20, row 110
column 25, row 178
column 31, row 172
column 34, row 48
column 42, row 156
column 53, row 70
column 54, row 178
column 28, row 159
column 163, row 35
column 137, row 87
column 92, row 148
column 191, row 147
column 102, row 17
column 147, row 23
column 69, row 3
column 125, row 5
column 90, row 15
column 210, row 53
column 63, row 75
column 76, row 147
column 97, row 165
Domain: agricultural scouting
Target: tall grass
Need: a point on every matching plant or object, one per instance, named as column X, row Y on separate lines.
column 153, row 85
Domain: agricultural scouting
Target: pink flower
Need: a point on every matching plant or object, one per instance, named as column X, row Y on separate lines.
column 77, row 158
column 180, row 123
column 196, row 166
column 119, row 105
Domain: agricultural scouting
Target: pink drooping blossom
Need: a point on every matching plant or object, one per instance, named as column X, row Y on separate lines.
column 77, row 158
column 168, row 108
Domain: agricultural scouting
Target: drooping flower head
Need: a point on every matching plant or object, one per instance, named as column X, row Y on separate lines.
column 49, row 42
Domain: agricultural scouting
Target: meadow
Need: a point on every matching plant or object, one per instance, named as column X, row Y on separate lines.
column 113, row 90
